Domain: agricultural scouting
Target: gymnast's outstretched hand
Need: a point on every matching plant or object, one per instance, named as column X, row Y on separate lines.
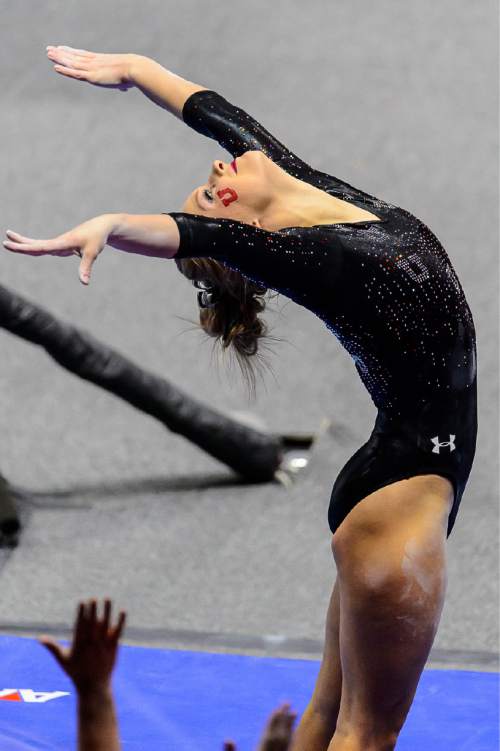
column 101, row 69
column 278, row 731
column 86, row 241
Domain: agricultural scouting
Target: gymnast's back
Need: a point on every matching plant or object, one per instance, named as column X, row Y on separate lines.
column 384, row 287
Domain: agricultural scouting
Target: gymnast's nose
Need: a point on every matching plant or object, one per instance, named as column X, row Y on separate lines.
column 218, row 167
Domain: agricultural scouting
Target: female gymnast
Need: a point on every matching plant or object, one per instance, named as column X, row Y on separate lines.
column 383, row 284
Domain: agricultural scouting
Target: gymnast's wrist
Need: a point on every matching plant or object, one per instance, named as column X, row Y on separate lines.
column 135, row 67
column 113, row 223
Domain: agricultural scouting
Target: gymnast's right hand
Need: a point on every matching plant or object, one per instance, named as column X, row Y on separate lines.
column 86, row 241
column 101, row 69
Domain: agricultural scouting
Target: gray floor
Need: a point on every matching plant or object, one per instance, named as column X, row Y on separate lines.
column 397, row 99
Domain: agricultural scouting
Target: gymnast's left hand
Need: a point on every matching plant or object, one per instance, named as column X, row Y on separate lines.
column 86, row 241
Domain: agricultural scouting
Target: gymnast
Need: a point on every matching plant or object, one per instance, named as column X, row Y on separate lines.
column 384, row 285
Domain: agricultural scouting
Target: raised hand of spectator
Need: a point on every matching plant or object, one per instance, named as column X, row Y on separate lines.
column 278, row 731
column 89, row 662
column 90, row 659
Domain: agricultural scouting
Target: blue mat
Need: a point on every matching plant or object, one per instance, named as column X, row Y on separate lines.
column 172, row 700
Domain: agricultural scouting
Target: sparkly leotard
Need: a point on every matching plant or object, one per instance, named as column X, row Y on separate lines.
column 385, row 288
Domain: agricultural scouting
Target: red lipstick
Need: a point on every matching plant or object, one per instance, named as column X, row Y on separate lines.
column 233, row 165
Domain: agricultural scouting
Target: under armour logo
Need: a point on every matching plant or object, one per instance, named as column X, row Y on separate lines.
column 438, row 445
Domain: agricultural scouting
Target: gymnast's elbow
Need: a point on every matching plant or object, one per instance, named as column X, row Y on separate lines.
column 172, row 235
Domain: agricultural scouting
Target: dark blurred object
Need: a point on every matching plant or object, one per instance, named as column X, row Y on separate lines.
column 253, row 454
column 10, row 526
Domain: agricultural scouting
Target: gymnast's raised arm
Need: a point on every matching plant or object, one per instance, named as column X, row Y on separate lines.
column 210, row 114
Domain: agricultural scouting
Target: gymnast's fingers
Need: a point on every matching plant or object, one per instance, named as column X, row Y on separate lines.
column 55, row 246
column 88, row 256
column 69, row 63
column 80, row 75
column 66, row 56
column 19, row 238
column 73, row 50
column 32, row 249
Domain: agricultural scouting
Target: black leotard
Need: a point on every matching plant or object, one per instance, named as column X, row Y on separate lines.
column 386, row 289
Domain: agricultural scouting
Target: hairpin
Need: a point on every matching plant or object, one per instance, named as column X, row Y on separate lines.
column 209, row 294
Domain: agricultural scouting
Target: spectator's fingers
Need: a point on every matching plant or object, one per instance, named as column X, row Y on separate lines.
column 92, row 611
column 80, row 627
column 282, row 718
column 117, row 631
column 275, row 719
column 93, row 626
column 285, row 721
column 289, row 720
column 106, row 619
column 285, row 711
column 55, row 650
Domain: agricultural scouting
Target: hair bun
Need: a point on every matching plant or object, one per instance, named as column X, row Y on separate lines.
column 229, row 306
column 245, row 336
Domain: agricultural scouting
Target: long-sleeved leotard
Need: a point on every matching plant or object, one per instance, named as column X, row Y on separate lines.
column 385, row 288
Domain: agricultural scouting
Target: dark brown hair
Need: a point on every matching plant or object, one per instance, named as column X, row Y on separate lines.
column 233, row 318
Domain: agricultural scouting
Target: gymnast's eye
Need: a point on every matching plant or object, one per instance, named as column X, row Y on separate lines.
column 208, row 194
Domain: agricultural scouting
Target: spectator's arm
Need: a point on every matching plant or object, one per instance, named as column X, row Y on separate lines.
column 89, row 662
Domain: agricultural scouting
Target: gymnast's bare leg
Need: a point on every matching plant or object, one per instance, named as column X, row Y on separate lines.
column 382, row 619
column 390, row 553
column 319, row 720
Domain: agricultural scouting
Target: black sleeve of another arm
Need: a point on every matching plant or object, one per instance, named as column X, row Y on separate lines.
column 208, row 113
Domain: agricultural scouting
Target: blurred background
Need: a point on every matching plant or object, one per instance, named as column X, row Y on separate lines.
column 398, row 99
